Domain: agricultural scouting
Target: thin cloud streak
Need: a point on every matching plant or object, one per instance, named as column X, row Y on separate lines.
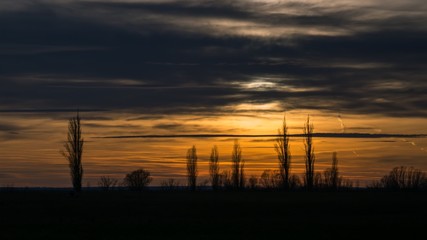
column 317, row 135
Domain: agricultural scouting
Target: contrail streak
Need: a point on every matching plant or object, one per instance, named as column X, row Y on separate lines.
column 341, row 122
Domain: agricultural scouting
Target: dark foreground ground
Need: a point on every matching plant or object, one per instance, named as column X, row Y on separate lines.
column 210, row 215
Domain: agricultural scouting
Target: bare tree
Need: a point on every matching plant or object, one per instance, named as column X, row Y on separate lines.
column 283, row 153
column 310, row 158
column 331, row 176
column 294, row 182
column 226, row 179
column 253, row 182
column 237, row 167
column 138, row 179
column 170, row 184
column 74, row 151
column 107, row 183
column 404, row 178
column 214, row 168
column 270, row 179
column 192, row 168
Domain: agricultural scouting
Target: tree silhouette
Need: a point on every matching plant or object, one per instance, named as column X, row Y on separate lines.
column 332, row 180
column 270, row 179
column 192, row 168
column 310, row 158
column 253, row 182
column 170, row 184
column 237, row 167
column 138, row 179
column 403, row 178
column 226, row 179
column 214, row 168
column 106, row 183
column 294, row 182
column 283, row 153
column 74, row 151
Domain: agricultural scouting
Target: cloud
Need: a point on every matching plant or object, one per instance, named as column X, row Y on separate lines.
column 9, row 127
column 264, row 136
column 162, row 57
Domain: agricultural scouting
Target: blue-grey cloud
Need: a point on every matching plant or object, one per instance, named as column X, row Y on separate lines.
column 191, row 56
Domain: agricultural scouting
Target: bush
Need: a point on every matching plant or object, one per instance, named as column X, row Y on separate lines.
column 253, row 182
column 107, row 183
column 170, row 184
column 271, row 179
column 403, row 178
column 226, row 180
column 294, row 182
column 137, row 180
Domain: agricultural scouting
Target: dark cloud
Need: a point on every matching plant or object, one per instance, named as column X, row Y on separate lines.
column 191, row 57
column 169, row 126
column 41, row 110
column 11, row 128
column 185, row 128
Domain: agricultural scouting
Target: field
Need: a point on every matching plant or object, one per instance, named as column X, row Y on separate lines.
column 211, row 215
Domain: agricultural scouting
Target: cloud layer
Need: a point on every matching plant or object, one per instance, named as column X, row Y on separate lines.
column 206, row 56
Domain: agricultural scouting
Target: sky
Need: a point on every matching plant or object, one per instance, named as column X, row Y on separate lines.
column 165, row 67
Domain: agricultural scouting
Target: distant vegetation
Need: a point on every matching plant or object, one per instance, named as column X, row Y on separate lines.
column 399, row 178
column 402, row 178
column 107, row 183
column 138, row 180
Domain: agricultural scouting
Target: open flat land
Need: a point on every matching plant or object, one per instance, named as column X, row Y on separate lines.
column 212, row 215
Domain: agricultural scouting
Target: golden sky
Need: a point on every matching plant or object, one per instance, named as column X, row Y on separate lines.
column 31, row 157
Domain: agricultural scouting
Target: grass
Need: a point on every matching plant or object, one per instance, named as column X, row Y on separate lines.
column 211, row 215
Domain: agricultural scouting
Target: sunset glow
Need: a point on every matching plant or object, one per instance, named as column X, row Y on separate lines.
column 169, row 69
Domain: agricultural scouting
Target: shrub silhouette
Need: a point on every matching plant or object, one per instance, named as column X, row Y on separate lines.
column 203, row 184
column 237, row 167
column 74, row 151
column 107, row 183
column 317, row 180
column 253, row 182
column 192, row 168
column 170, row 184
column 226, row 179
column 214, row 169
column 294, row 182
column 137, row 180
column 283, row 153
column 402, row 177
column 310, row 158
column 346, row 184
column 270, row 179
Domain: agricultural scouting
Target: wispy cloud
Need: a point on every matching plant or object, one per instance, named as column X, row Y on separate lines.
column 317, row 135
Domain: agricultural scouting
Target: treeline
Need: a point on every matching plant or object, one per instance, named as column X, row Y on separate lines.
column 400, row 178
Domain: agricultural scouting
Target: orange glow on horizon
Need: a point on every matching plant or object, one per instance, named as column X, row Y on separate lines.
column 32, row 158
